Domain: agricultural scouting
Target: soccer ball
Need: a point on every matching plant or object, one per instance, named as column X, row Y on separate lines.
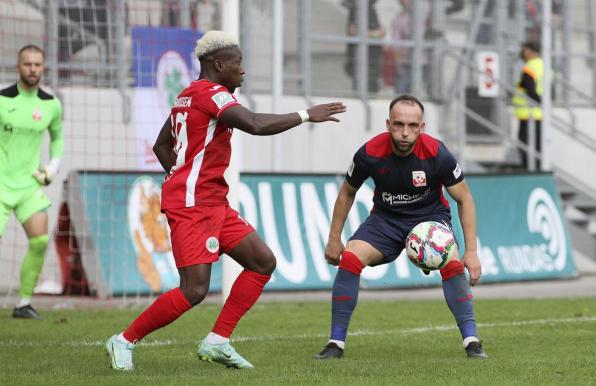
column 430, row 245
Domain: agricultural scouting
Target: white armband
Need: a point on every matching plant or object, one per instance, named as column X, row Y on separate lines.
column 304, row 115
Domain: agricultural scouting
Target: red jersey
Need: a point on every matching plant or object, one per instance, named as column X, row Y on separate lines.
column 202, row 147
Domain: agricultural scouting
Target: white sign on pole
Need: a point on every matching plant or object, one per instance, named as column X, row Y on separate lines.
column 488, row 66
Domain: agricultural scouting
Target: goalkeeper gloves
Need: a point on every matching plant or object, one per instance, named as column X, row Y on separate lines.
column 44, row 175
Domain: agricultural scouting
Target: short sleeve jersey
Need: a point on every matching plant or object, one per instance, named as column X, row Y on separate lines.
column 408, row 187
column 24, row 118
column 202, row 147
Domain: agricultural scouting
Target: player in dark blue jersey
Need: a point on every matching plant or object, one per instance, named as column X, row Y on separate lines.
column 409, row 169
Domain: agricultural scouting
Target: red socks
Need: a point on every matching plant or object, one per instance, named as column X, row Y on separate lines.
column 453, row 268
column 163, row 311
column 350, row 262
column 245, row 291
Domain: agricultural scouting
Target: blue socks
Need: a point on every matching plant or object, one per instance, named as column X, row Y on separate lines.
column 344, row 299
column 344, row 295
column 460, row 301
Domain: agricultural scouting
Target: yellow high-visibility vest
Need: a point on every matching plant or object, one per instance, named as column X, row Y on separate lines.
column 521, row 106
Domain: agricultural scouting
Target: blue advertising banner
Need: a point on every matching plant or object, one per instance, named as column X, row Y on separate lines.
column 164, row 63
column 157, row 50
column 522, row 234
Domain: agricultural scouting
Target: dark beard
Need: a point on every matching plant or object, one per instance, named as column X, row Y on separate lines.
column 28, row 83
column 396, row 146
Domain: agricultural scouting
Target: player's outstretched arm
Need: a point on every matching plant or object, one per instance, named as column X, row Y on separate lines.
column 467, row 215
column 268, row 124
column 164, row 147
column 343, row 203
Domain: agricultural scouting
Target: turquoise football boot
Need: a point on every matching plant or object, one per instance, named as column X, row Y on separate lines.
column 222, row 353
column 120, row 354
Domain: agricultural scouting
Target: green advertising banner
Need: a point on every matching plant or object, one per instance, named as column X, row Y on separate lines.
column 522, row 234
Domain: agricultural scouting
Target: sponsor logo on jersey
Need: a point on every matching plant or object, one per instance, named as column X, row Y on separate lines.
column 403, row 198
column 351, row 169
column 182, row 102
column 212, row 244
column 222, row 98
column 457, row 171
column 36, row 115
column 12, row 110
column 418, row 178
column 382, row 171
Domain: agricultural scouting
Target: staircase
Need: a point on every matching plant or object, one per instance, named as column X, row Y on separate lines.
column 579, row 206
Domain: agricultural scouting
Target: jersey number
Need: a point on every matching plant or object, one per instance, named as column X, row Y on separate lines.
column 179, row 131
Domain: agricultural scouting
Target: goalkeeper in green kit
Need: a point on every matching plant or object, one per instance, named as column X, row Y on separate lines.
column 26, row 111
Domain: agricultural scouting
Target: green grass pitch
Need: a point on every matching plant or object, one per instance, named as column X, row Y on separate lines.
column 529, row 342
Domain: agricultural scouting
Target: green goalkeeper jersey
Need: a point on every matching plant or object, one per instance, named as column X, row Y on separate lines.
column 24, row 117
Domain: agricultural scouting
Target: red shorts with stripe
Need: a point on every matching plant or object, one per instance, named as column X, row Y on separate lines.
column 201, row 233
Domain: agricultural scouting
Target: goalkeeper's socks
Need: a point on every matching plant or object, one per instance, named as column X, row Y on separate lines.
column 163, row 311
column 460, row 301
column 245, row 291
column 32, row 264
column 344, row 295
column 23, row 302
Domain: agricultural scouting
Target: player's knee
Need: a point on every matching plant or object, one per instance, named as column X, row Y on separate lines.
column 453, row 268
column 39, row 244
column 266, row 264
column 195, row 294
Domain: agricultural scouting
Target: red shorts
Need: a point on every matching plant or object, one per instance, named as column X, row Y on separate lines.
column 201, row 233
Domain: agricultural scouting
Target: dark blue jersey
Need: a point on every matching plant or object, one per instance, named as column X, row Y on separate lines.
column 407, row 187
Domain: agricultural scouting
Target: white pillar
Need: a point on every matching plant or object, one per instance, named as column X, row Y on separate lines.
column 546, row 164
column 277, row 81
column 231, row 269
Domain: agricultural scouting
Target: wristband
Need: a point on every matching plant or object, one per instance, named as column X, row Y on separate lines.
column 304, row 115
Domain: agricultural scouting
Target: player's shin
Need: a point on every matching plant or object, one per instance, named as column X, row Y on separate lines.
column 344, row 296
column 245, row 292
column 164, row 310
column 458, row 296
column 32, row 264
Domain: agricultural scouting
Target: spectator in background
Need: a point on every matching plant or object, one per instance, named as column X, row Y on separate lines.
column 203, row 14
column 530, row 87
column 375, row 52
column 401, row 30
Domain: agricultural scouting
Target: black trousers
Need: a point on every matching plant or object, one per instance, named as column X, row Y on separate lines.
column 524, row 137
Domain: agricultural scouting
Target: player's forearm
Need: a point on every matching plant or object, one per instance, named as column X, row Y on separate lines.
column 270, row 124
column 56, row 143
column 163, row 147
column 342, row 207
column 165, row 156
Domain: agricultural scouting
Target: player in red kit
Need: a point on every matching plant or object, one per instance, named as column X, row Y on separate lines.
column 194, row 148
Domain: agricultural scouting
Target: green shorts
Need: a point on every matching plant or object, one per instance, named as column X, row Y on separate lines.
column 25, row 202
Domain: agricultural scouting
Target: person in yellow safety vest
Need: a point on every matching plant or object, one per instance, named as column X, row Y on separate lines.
column 530, row 87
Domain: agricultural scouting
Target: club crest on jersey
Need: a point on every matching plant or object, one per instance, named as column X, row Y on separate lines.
column 212, row 244
column 36, row 115
column 457, row 171
column 222, row 98
column 351, row 169
column 418, row 178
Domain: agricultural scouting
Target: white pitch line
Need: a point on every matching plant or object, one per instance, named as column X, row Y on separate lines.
column 408, row 331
